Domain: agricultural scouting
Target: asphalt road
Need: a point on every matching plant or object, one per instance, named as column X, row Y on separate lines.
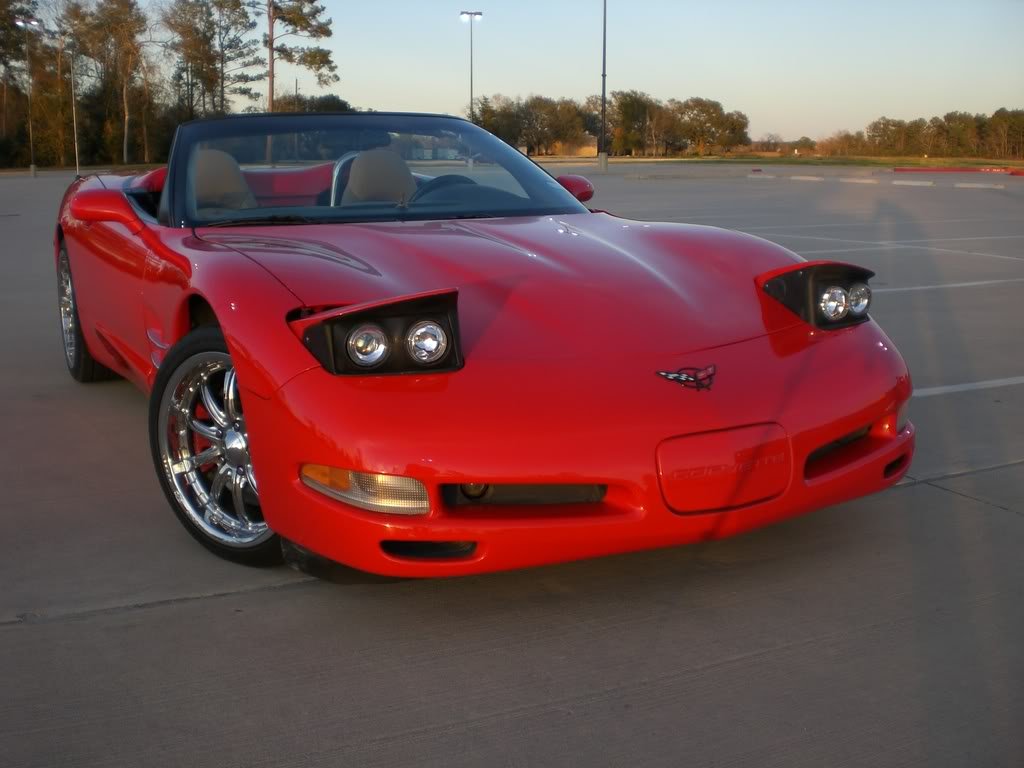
column 884, row 632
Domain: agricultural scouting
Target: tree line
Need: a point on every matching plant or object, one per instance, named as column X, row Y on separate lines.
column 637, row 124
column 956, row 134
column 138, row 72
column 134, row 73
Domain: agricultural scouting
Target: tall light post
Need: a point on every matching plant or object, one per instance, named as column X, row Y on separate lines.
column 28, row 25
column 471, row 17
column 602, row 150
column 74, row 114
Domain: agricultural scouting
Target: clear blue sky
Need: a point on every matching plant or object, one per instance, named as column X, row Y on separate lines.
column 793, row 67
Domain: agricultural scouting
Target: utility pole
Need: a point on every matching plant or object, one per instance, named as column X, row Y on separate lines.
column 602, row 149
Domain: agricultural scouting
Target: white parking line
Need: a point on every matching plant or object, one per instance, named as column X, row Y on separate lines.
column 859, row 181
column 760, row 176
column 965, row 185
column 949, row 285
column 990, row 384
column 958, row 239
column 914, row 183
column 874, row 245
column 807, row 178
column 859, row 249
column 872, row 223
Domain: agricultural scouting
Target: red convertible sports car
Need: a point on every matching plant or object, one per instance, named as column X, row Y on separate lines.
column 396, row 342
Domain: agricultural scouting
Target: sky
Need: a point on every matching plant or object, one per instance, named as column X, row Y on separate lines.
column 794, row 67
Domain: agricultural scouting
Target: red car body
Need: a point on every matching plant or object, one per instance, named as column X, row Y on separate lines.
column 569, row 325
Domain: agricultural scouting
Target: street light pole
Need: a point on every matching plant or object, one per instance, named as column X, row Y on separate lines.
column 602, row 152
column 74, row 115
column 27, row 24
column 471, row 17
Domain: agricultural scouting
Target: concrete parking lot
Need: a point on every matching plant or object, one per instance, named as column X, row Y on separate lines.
column 884, row 632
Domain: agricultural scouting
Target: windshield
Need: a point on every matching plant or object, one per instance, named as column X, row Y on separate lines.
column 346, row 168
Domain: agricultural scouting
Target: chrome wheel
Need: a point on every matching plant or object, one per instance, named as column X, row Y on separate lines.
column 204, row 450
column 66, row 303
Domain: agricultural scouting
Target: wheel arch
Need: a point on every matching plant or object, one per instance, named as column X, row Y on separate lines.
column 199, row 312
column 249, row 307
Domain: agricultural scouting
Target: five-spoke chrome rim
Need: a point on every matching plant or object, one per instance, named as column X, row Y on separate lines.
column 66, row 302
column 204, row 447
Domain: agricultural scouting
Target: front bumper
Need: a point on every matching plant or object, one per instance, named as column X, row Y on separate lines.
column 493, row 423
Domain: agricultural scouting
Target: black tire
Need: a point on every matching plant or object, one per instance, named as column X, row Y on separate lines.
column 194, row 364
column 80, row 362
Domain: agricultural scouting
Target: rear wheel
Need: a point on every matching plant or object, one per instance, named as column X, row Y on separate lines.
column 81, row 364
column 200, row 446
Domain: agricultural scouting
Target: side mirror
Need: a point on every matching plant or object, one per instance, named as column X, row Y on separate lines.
column 578, row 187
column 105, row 205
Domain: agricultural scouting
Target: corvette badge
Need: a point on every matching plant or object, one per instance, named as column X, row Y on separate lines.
column 692, row 378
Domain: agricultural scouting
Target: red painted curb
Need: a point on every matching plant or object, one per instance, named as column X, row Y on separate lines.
column 937, row 169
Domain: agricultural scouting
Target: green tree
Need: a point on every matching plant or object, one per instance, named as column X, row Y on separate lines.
column 326, row 103
column 733, row 131
column 632, row 113
column 111, row 35
column 702, row 121
column 302, row 19
column 190, row 23
column 536, row 133
column 12, row 46
column 502, row 116
column 236, row 54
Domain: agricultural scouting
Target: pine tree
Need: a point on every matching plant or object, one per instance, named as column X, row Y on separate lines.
column 303, row 19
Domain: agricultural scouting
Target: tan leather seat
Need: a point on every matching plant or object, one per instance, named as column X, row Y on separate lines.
column 379, row 176
column 219, row 182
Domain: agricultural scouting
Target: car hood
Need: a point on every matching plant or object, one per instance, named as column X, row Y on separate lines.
column 566, row 286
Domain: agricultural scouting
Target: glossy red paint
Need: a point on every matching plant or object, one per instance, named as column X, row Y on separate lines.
column 578, row 186
column 151, row 182
column 289, row 186
column 566, row 323
column 108, row 205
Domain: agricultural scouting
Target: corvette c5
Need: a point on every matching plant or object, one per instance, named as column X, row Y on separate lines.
column 396, row 342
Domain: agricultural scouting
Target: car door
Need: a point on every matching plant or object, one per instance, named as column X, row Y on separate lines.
column 109, row 279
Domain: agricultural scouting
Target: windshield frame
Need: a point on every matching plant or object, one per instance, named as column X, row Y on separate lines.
column 188, row 135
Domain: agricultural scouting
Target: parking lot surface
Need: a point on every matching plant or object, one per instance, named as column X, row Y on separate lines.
column 884, row 632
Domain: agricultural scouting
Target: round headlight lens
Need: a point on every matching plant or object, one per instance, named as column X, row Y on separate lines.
column 368, row 345
column 835, row 303
column 860, row 298
column 426, row 342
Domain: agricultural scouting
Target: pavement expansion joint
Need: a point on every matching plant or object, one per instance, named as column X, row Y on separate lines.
column 972, row 498
column 967, row 472
column 31, row 617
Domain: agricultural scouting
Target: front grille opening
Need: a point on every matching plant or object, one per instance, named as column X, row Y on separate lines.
column 512, row 495
column 833, row 455
column 428, row 550
column 894, row 467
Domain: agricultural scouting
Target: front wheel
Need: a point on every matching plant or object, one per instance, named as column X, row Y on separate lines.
column 200, row 446
column 81, row 364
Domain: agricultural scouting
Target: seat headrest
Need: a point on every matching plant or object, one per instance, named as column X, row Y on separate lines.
column 219, row 182
column 380, row 176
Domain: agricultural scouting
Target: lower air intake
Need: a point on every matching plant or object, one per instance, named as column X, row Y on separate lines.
column 510, row 495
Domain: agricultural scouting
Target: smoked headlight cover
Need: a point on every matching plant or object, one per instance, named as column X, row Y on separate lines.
column 412, row 334
column 825, row 294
